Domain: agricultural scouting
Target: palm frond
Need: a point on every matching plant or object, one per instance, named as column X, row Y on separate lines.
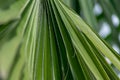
column 52, row 42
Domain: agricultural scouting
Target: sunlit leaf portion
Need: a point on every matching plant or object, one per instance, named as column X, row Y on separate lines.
column 13, row 12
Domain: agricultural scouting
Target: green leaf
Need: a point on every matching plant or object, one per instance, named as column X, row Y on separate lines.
column 47, row 40
column 13, row 12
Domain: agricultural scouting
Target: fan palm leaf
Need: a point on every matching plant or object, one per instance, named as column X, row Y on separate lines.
column 47, row 40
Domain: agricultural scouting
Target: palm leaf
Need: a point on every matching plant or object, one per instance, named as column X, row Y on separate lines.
column 52, row 42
